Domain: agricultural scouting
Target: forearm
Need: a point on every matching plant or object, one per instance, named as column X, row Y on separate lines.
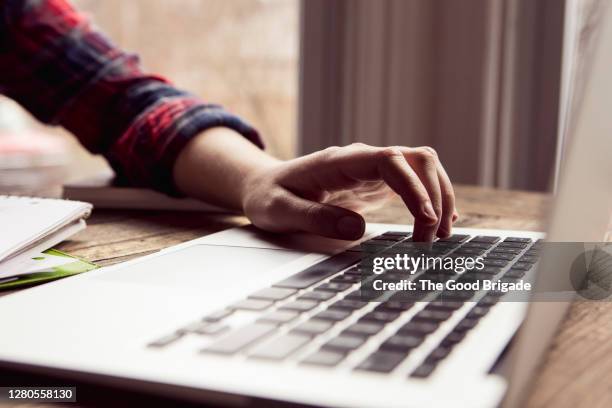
column 215, row 165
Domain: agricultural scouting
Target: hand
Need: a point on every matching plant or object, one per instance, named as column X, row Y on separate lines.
column 323, row 192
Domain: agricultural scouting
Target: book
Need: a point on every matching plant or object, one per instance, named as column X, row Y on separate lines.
column 29, row 226
column 44, row 267
column 102, row 191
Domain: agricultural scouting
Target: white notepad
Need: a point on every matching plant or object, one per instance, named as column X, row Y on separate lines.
column 32, row 225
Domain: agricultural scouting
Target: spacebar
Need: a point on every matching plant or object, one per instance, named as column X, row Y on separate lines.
column 320, row 271
column 240, row 338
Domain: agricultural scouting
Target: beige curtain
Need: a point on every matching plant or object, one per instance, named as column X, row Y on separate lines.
column 478, row 81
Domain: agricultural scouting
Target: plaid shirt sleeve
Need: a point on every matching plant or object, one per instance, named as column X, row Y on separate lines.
column 64, row 72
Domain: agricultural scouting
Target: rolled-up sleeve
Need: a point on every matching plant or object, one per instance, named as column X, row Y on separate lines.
column 66, row 73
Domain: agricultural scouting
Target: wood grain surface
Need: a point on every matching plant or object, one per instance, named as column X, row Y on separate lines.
column 575, row 372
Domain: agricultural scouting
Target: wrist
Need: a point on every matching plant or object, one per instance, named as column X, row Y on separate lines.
column 215, row 166
column 257, row 175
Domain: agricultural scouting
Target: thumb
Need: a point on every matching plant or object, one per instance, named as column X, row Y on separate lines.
column 322, row 219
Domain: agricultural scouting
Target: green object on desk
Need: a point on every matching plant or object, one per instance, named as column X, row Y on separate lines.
column 73, row 266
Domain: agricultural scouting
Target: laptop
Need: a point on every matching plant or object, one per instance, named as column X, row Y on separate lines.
column 243, row 317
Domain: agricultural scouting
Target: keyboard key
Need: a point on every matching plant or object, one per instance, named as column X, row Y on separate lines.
column 509, row 279
column 480, row 245
column 494, row 262
column 354, row 271
column 383, row 317
column 272, row 294
column 317, row 295
column 469, row 251
column 279, row 317
column 251, row 304
column 240, row 338
column 522, row 266
column 345, row 343
column 419, row 328
column 455, row 238
column 378, row 242
column 334, row 287
column 381, row 361
column 445, row 305
column 320, row 271
column 439, row 272
column 501, row 255
column 365, row 328
column 210, row 329
column 432, row 315
column 166, row 340
column 529, row 259
column 424, row 370
column 333, row 315
column 324, row 358
column 496, row 293
column 351, row 279
column 218, row 315
column 490, row 270
column 354, row 295
column 466, row 325
column 385, row 237
column 488, row 300
column 477, row 312
column 516, row 239
column 515, row 273
column 402, row 342
column 508, row 250
column 402, row 234
column 384, row 309
column 300, row 305
column 348, row 304
column 453, row 338
column 506, row 244
column 396, row 305
column 457, row 295
column 313, row 327
column 486, row 238
column 280, row 347
column 439, row 353
column 476, row 276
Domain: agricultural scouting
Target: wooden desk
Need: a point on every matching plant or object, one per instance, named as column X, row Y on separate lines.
column 576, row 370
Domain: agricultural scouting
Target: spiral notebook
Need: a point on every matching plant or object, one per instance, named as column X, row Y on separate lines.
column 31, row 225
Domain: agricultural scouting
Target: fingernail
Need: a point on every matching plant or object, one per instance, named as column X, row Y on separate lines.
column 429, row 212
column 350, row 227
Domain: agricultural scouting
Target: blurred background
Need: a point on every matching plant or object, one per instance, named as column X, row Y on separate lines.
column 242, row 54
column 482, row 81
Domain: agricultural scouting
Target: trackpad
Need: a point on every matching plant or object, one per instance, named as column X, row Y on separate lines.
column 207, row 266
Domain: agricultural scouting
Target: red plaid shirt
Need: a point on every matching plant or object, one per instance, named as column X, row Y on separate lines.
column 64, row 72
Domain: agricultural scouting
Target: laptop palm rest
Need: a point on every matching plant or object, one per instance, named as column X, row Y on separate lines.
column 199, row 266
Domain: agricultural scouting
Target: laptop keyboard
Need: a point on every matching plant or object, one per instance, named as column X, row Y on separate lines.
column 322, row 306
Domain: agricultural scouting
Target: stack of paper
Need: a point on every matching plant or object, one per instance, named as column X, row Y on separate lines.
column 29, row 226
column 49, row 265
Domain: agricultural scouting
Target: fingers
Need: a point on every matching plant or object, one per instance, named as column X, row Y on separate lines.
column 449, row 212
column 296, row 213
column 446, row 212
column 415, row 174
column 424, row 162
column 400, row 176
